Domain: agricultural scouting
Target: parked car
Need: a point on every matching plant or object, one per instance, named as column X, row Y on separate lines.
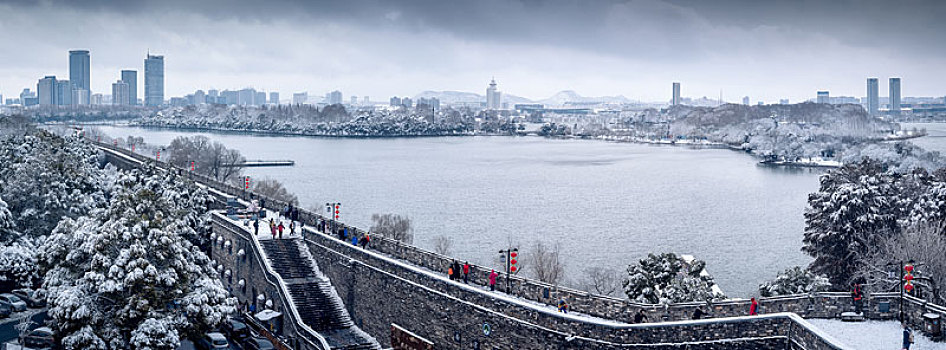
column 258, row 344
column 213, row 340
column 13, row 301
column 40, row 338
column 32, row 298
column 5, row 311
column 235, row 330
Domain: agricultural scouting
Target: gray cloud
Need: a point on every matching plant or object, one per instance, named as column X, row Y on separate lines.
column 609, row 47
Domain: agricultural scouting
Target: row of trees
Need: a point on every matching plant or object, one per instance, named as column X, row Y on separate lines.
column 117, row 252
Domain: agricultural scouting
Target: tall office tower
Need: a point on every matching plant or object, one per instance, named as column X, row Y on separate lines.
column 246, row 96
column 824, row 97
column 274, row 98
column 299, row 98
column 745, row 100
column 130, row 77
column 120, row 92
column 395, row 101
column 213, row 94
column 81, row 97
column 895, row 95
column 494, row 98
column 97, row 99
column 46, row 91
column 354, row 100
column 79, row 73
column 260, row 98
column 154, row 80
column 873, row 103
column 406, row 102
column 64, row 92
column 675, row 100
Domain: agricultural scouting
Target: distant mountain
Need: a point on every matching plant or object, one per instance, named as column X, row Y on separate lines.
column 561, row 98
column 571, row 97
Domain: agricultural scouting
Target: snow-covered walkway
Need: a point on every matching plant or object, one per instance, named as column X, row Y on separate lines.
column 873, row 335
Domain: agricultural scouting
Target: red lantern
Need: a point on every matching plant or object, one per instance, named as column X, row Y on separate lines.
column 514, row 254
column 909, row 268
column 908, row 287
column 908, row 277
column 513, row 269
column 513, row 261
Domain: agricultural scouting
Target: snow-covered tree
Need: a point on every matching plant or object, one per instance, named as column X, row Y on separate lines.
column 853, row 204
column 794, row 280
column 667, row 278
column 124, row 277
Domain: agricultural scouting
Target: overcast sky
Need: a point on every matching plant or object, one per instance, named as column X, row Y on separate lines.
column 764, row 49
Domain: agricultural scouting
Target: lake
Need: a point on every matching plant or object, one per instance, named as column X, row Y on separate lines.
column 605, row 204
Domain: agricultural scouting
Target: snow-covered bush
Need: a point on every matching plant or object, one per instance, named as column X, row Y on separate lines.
column 794, row 280
column 667, row 278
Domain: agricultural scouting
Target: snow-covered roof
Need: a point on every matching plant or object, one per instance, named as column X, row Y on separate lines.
column 267, row 315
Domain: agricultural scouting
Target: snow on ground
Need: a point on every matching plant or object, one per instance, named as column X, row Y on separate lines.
column 873, row 335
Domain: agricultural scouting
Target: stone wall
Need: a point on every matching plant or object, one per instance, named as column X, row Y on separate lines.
column 379, row 291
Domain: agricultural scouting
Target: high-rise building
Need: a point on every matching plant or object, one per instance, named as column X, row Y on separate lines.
column 895, row 95
column 675, row 100
column 745, row 100
column 406, row 102
column 46, row 91
column 81, row 97
column 366, row 101
column 274, row 98
column 299, row 98
column 354, row 100
column 130, row 77
column 246, row 96
column 64, row 92
column 824, row 97
column 80, row 73
column 493, row 96
column 873, row 103
column 120, row 92
column 97, row 99
column 154, row 80
column 260, row 98
column 395, row 101
column 334, row 97
column 200, row 97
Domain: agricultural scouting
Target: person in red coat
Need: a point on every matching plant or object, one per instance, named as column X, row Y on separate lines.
column 754, row 307
column 492, row 279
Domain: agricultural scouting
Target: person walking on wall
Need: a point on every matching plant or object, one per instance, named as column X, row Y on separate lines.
column 292, row 228
column 272, row 228
column 857, row 295
column 698, row 313
column 256, row 227
column 450, row 272
column 907, row 336
column 281, row 228
column 562, row 306
column 492, row 280
column 354, row 240
column 753, row 307
column 640, row 316
column 364, row 241
column 466, row 272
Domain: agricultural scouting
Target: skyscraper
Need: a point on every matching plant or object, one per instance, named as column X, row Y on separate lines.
column 64, row 92
column 260, row 98
column 274, row 98
column 334, row 97
column 493, row 96
column 745, row 100
column 46, row 91
column 299, row 98
column 120, row 92
column 824, row 97
column 154, row 80
column 130, row 77
column 895, row 95
column 872, row 96
column 80, row 74
column 675, row 100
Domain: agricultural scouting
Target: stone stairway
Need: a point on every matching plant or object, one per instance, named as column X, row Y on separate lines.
column 319, row 307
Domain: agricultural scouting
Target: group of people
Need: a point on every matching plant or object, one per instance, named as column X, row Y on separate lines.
column 457, row 272
column 276, row 229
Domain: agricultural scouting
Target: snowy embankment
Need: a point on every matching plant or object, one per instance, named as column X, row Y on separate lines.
column 873, row 335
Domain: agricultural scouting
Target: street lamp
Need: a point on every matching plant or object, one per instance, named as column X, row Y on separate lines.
column 510, row 256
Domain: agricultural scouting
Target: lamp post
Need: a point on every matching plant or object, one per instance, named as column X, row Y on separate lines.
column 510, row 255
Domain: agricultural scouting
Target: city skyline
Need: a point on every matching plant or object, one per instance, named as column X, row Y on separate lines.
column 385, row 49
